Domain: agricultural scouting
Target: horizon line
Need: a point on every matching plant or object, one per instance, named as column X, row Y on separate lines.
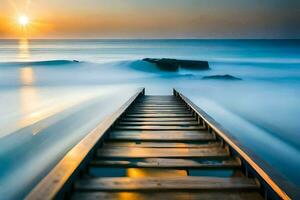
column 102, row 38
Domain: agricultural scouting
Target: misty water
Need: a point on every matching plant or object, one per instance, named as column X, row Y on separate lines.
column 48, row 102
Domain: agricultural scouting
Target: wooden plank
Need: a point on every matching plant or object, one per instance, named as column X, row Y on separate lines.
column 158, row 115
column 162, row 119
column 159, row 112
column 158, row 100
column 124, row 152
column 161, row 135
column 175, row 100
column 159, row 109
column 159, row 105
column 166, row 133
column 174, row 195
column 149, row 99
column 170, row 183
column 169, row 163
column 140, row 111
column 154, row 98
column 161, row 144
column 158, row 96
column 179, row 123
column 147, row 105
column 170, row 127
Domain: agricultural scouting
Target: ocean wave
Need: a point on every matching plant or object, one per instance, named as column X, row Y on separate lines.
column 41, row 63
column 248, row 61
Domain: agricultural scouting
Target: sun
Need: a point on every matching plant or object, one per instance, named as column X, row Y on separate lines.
column 23, row 20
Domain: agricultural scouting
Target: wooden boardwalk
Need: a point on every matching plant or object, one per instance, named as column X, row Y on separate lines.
column 157, row 148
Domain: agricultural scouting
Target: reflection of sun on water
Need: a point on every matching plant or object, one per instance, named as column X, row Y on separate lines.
column 32, row 105
column 27, row 76
column 24, row 49
column 29, row 99
column 138, row 173
column 28, row 95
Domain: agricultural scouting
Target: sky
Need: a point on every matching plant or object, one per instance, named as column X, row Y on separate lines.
column 265, row 19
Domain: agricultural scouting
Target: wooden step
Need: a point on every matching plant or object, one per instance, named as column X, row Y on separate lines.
column 190, row 123
column 147, row 105
column 175, row 136
column 170, row 183
column 163, row 109
column 169, row 163
column 158, row 96
column 174, row 195
column 159, row 106
column 170, row 127
column 158, row 100
column 125, row 152
column 158, row 115
column 162, row 98
column 161, row 144
column 162, row 119
column 160, row 103
column 159, row 112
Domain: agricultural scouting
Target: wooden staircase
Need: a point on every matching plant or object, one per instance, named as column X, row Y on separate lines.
column 159, row 149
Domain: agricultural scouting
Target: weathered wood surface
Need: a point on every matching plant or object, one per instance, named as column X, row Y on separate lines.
column 190, row 195
column 152, row 127
column 161, row 136
column 171, row 183
column 160, row 106
column 125, row 152
column 169, row 163
column 160, row 103
column 159, row 112
column 158, row 109
column 162, row 144
column 159, row 149
column 162, row 119
column 190, row 123
column 159, row 115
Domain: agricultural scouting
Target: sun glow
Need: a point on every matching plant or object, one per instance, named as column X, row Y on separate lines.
column 23, row 20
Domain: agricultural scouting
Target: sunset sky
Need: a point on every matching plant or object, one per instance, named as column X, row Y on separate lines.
column 151, row 18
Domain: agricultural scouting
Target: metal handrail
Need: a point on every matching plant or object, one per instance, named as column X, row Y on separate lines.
column 289, row 192
column 50, row 186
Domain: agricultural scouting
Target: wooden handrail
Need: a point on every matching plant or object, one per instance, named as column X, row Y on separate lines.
column 51, row 184
column 256, row 164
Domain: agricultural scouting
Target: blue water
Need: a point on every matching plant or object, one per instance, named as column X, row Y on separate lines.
column 48, row 102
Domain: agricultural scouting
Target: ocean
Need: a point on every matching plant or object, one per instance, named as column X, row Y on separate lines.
column 49, row 101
